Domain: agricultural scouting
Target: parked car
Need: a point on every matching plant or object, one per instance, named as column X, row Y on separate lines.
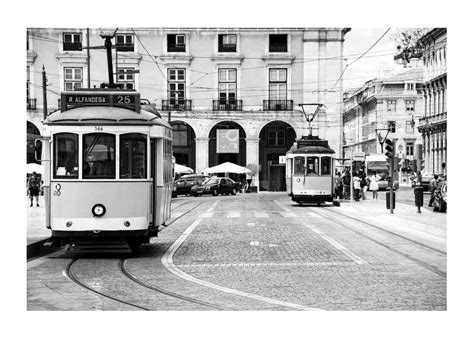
column 183, row 185
column 440, row 202
column 216, row 186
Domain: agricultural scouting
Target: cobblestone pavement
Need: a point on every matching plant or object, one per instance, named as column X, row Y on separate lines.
column 262, row 252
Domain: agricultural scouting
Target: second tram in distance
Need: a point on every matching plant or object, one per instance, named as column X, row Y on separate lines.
column 108, row 172
column 309, row 171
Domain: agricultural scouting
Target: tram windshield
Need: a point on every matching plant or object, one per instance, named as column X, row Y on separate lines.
column 325, row 165
column 133, row 156
column 313, row 165
column 299, row 165
column 66, row 155
column 99, row 155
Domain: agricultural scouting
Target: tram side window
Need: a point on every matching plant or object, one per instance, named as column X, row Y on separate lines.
column 299, row 165
column 313, row 165
column 133, row 156
column 99, row 156
column 326, row 166
column 66, row 155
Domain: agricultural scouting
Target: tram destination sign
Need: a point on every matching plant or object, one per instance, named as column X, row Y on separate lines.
column 129, row 100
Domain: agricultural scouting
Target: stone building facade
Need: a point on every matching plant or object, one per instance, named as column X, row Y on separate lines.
column 248, row 81
column 394, row 103
column 433, row 125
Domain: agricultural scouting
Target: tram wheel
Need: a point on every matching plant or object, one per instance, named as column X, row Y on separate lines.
column 215, row 193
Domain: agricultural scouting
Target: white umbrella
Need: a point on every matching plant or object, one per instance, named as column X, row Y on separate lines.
column 227, row 167
column 30, row 167
column 181, row 169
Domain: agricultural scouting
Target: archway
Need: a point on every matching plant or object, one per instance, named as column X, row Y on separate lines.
column 276, row 138
column 184, row 144
column 232, row 145
column 32, row 133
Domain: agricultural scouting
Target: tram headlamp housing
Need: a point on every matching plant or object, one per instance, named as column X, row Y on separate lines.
column 98, row 210
column 68, row 224
column 126, row 223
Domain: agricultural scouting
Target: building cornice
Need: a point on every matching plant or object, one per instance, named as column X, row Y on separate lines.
column 67, row 57
column 228, row 58
column 176, row 59
column 280, row 58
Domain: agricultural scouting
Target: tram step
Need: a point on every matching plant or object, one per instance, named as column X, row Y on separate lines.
column 100, row 247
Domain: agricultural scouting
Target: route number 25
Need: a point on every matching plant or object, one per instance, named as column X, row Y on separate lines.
column 123, row 99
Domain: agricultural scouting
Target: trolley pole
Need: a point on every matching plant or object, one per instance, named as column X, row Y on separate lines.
column 88, row 62
column 45, row 99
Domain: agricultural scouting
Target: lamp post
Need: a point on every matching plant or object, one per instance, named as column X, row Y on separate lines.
column 315, row 107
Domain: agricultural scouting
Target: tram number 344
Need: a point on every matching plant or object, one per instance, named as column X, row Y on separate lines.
column 98, row 128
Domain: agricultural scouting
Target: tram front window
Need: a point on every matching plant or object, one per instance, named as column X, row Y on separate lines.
column 66, row 155
column 99, row 156
column 299, row 165
column 133, row 156
column 326, row 166
column 313, row 165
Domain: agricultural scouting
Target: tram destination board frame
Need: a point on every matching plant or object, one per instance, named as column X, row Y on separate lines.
column 128, row 100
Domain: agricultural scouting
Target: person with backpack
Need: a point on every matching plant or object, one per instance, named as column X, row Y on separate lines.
column 34, row 188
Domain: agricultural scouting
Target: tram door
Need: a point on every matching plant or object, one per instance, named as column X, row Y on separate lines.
column 153, row 178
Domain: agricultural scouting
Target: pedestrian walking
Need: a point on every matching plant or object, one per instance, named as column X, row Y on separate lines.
column 374, row 185
column 363, row 184
column 346, row 183
column 356, row 182
column 433, row 187
column 34, row 188
column 338, row 185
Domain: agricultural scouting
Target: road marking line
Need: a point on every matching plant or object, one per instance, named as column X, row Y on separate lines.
column 282, row 206
column 287, row 214
column 204, row 265
column 312, row 214
column 211, row 209
column 261, row 215
column 206, row 215
column 233, row 214
column 255, row 243
column 338, row 246
column 167, row 261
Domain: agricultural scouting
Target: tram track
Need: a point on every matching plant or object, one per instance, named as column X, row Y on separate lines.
column 185, row 213
column 389, row 247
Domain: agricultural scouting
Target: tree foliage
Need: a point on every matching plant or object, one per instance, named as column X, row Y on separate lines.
column 407, row 41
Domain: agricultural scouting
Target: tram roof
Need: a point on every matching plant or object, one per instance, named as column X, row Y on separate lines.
column 311, row 150
column 104, row 115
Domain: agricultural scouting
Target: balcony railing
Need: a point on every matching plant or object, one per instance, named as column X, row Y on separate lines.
column 433, row 119
column 234, row 105
column 176, row 104
column 30, row 104
column 227, row 48
column 125, row 47
column 176, row 47
column 72, row 46
column 278, row 48
column 277, row 104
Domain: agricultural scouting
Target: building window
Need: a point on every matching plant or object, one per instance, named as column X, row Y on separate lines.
column 410, row 148
column 124, row 43
column 276, row 135
column 391, row 126
column 72, row 41
column 126, row 76
column 227, row 43
column 72, row 78
column 391, row 105
column 180, row 135
column 410, row 87
column 278, row 85
column 410, row 127
column 176, row 85
column 227, row 85
column 278, row 43
column 176, row 43
column 410, row 105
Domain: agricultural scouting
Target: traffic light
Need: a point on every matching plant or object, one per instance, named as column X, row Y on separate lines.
column 389, row 148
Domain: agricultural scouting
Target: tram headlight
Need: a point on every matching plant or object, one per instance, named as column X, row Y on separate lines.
column 68, row 224
column 98, row 210
column 126, row 223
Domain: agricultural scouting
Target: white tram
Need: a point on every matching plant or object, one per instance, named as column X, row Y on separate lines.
column 108, row 168
column 309, row 171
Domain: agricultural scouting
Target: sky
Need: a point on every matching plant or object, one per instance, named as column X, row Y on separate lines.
column 378, row 59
